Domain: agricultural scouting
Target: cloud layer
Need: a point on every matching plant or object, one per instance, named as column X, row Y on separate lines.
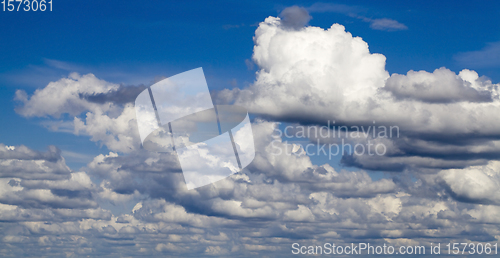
column 440, row 182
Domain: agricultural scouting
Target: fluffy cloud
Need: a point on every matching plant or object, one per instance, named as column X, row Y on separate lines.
column 316, row 75
column 37, row 185
column 312, row 75
column 441, row 86
column 63, row 96
column 477, row 184
column 279, row 200
column 100, row 109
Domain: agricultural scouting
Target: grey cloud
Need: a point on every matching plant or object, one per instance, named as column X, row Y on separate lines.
column 420, row 154
column 24, row 153
column 24, row 163
column 41, row 180
column 244, row 219
column 122, row 95
column 295, row 17
column 25, row 199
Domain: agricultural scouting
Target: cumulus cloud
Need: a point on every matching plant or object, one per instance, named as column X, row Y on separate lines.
column 99, row 109
column 63, row 96
column 477, row 184
column 314, row 75
column 441, row 86
column 41, row 181
column 118, row 132
column 279, row 200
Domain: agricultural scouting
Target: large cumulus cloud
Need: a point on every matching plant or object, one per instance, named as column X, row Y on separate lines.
column 313, row 75
column 317, row 75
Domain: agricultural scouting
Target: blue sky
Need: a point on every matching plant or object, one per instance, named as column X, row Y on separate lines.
column 442, row 171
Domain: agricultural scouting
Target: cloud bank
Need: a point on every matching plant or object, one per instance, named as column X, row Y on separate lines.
column 440, row 183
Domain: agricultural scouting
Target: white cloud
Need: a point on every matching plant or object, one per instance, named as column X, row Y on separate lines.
column 109, row 123
column 317, row 75
column 303, row 71
column 441, row 86
column 118, row 133
column 475, row 184
column 63, row 96
column 301, row 214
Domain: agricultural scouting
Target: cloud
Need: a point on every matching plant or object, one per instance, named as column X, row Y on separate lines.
column 118, row 132
column 441, row 86
column 476, row 184
column 63, row 96
column 315, row 75
column 385, row 24
column 109, row 115
column 312, row 76
column 295, row 17
column 121, row 95
column 38, row 75
column 250, row 65
column 303, row 72
column 280, row 200
column 40, row 181
column 24, row 153
column 22, row 162
column 489, row 56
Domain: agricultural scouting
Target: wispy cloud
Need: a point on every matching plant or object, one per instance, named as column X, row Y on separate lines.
column 39, row 75
column 489, row 56
column 385, row 24
column 63, row 65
